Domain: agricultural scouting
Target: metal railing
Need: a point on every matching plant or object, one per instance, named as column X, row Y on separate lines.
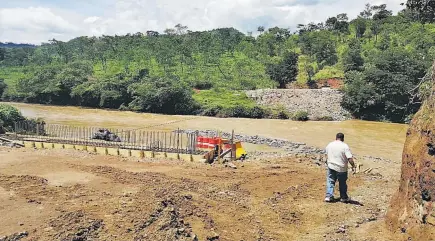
column 147, row 140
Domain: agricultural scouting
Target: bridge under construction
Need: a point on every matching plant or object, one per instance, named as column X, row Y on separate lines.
column 129, row 143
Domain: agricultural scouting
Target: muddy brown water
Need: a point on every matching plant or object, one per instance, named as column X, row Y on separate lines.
column 365, row 138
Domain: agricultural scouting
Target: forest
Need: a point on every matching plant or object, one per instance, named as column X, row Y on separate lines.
column 380, row 56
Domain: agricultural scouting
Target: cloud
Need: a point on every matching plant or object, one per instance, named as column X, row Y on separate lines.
column 91, row 20
column 246, row 15
column 131, row 16
column 33, row 25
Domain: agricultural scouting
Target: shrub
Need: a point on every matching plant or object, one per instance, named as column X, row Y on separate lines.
column 256, row 112
column 279, row 112
column 211, row 111
column 2, row 87
column 300, row 116
column 203, row 85
column 239, row 111
column 329, row 72
column 9, row 115
column 324, row 118
column 123, row 107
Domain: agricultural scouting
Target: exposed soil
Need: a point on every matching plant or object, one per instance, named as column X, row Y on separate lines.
column 72, row 195
column 413, row 206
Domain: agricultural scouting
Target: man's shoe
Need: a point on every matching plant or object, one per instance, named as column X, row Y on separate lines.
column 329, row 199
column 345, row 200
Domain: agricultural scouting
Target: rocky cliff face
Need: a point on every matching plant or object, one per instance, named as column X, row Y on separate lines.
column 412, row 209
column 318, row 103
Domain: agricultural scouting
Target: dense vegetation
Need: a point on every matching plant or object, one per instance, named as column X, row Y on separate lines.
column 9, row 115
column 381, row 58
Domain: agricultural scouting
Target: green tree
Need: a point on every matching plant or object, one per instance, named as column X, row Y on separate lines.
column 2, row 87
column 381, row 12
column 261, row 29
column 63, row 50
column 360, row 27
column 422, row 10
column 352, row 59
column 2, row 54
column 285, row 71
column 162, row 96
column 41, row 86
column 9, row 115
column 339, row 25
column 360, row 96
column 368, row 12
column 389, row 79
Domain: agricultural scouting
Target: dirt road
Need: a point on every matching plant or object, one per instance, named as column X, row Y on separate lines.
column 72, row 195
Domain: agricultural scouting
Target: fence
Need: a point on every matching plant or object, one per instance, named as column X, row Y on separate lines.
column 158, row 141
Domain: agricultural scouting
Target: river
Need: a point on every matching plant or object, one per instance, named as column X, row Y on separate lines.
column 378, row 139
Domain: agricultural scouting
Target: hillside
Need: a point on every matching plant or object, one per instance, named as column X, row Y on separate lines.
column 381, row 57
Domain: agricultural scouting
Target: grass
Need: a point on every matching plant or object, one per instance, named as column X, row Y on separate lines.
column 223, row 98
column 329, row 73
column 11, row 75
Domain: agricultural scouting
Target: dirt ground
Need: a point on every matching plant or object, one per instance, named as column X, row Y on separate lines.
column 73, row 195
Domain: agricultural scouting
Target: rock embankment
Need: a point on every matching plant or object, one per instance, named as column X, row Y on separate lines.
column 319, row 103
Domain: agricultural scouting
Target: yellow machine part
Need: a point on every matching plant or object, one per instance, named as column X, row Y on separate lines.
column 240, row 152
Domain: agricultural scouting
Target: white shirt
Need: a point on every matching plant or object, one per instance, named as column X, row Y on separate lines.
column 338, row 154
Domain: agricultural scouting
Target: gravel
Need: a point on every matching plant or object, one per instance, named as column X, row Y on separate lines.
column 318, row 103
column 15, row 237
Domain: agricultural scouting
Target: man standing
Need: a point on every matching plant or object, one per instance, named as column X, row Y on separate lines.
column 338, row 156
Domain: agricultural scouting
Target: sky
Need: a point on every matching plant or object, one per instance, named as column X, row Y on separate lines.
column 37, row 21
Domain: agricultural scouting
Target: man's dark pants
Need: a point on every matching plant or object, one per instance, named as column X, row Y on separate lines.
column 331, row 179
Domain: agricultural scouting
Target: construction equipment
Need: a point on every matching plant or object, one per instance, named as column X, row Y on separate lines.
column 106, row 135
column 222, row 148
column 240, row 151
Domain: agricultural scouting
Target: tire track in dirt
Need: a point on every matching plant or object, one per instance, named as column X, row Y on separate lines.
column 210, row 201
column 65, row 203
column 186, row 198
